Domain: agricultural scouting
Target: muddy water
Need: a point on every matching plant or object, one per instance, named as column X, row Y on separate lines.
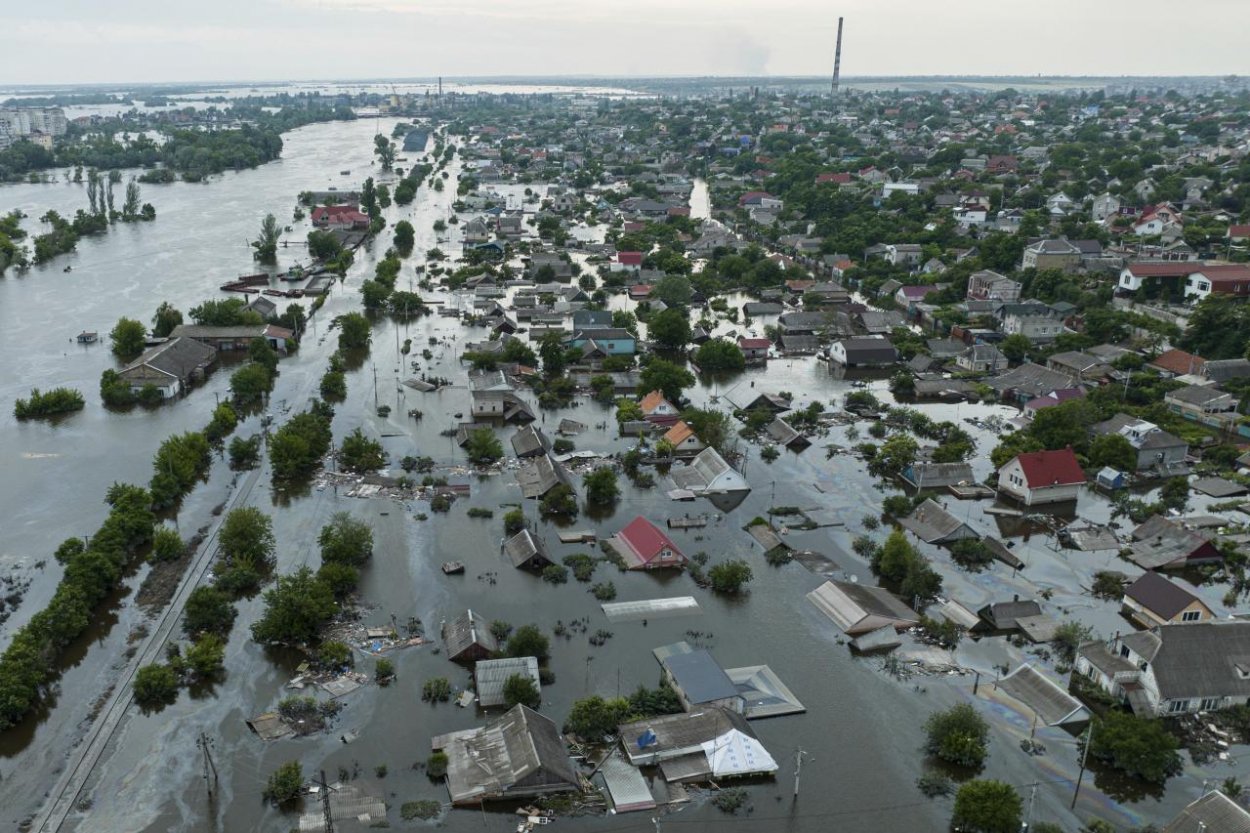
column 861, row 730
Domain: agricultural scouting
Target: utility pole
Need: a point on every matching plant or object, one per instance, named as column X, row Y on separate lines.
column 1089, row 741
column 205, row 742
column 1028, row 817
column 325, row 804
column 375, row 387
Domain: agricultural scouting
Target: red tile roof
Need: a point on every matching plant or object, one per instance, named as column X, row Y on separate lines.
column 753, row 343
column 1239, row 231
column 646, row 539
column 1179, row 362
column 629, row 258
column 1050, row 468
column 1164, row 269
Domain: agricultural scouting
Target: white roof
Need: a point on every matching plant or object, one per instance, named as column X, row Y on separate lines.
column 735, row 753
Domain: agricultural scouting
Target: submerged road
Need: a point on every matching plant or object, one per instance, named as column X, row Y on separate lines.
column 64, row 796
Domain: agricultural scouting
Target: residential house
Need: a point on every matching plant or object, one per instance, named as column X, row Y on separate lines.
column 904, row 254
column 768, row 402
column 240, row 337
column 1171, row 363
column 1156, row 448
column 784, row 434
column 1080, row 365
column 171, row 367
column 1040, row 477
column 1163, row 544
column 858, row 609
column 1039, row 323
column 709, row 474
column 1214, row 811
column 987, row 285
column 644, row 546
column 1231, row 279
column 706, row 744
column 476, row 232
column 699, row 681
column 501, row 405
column 490, row 677
column 529, row 441
column 657, row 409
column 1105, row 206
column 1051, row 254
column 1029, row 381
column 1003, row 617
column 754, row 350
column 1051, row 399
column 467, row 638
column 614, row 341
column 937, row 475
column 683, row 439
column 981, row 358
column 339, row 217
column 521, row 755
column 1154, row 600
column 934, row 525
column 908, row 296
column 1173, row 669
column 863, row 352
column 1200, row 402
column 526, row 551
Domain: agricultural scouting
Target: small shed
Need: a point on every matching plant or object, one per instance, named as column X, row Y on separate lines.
column 467, row 638
column 490, row 675
column 526, row 551
column 1109, row 478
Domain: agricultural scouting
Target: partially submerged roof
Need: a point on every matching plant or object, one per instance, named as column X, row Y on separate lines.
column 626, row 786
column 650, row 609
column 540, row 475
column 1213, row 812
column 1159, row 595
column 934, row 525
column 700, row 677
column 466, row 631
column 526, row 550
column 521, row 754
column 490, row 675
column 709, row 473
column 1054, row 706
column 858, row 609
column 763, row 692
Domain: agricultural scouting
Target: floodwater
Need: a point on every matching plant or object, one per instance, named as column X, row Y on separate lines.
column 862, row 729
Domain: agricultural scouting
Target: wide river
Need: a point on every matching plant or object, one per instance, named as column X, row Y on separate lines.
column 861, row 732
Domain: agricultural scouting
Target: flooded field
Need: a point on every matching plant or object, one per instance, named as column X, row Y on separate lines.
column 862, row 729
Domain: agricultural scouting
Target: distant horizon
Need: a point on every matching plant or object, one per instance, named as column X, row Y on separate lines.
column 550, row 79
column 240, row 40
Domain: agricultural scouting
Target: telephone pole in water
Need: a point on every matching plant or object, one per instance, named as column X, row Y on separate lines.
column 204, row 742
column 325, row 804
column 798, row 769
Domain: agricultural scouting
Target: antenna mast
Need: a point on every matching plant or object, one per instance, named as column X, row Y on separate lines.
column 837, row 59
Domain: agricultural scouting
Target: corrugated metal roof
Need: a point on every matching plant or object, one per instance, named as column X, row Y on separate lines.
column 626, row 785
column 700, row 677
column 489, row 676
column 650, row 609
column 1053, row 705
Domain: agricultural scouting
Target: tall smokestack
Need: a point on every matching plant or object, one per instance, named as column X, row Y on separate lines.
column 837, row 59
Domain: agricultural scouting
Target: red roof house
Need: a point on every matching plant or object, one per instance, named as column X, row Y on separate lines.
column 1037, row 477
column 1239, row 234
column 629, row 258
column 754, row 348
column 645, row 547
column 1178, row 363
column 839, row 179
column 339, row 216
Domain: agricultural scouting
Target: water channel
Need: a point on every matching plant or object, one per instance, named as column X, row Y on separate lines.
column 862, row 729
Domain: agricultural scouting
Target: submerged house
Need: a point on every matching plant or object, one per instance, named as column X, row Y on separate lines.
column 490, row 675
column 1154, row 600
column 1173, row 669
column 171, row 367
column 708, row 473
column 519, row 755
column 1039, row 477
column 710, row 743
column 857, row 609
column 467, row 638
column 644, row 546
column 1162, row 544
column 526, row 551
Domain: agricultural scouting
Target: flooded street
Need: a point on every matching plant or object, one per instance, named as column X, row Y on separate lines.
column 862, row 729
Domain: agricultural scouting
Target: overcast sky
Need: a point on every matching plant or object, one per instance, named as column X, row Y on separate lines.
column 81, row 41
